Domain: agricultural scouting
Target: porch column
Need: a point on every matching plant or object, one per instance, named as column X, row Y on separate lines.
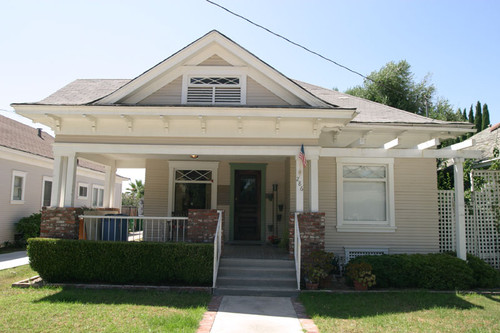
column 299, row 185
column 313, row 184
column 458, row 172
column 58, row 180
column 109, row 185
column 69, row 192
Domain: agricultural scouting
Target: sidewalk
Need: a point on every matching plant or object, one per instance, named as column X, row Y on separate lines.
column 247, row 314
column 13, row 259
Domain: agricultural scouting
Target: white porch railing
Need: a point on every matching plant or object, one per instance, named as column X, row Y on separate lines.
column 217, row 246
column 297, row 249
column 134, row 228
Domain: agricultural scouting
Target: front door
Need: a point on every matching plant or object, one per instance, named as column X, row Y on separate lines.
column 247, row 208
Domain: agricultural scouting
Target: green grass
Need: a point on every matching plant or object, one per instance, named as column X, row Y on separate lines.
column 403, row 312
column 78, row 310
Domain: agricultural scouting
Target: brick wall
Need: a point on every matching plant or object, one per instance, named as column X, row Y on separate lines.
column 312, row 233
column 202, row 225
column 63, row 222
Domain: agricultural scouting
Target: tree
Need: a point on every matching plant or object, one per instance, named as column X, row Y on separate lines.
column 478, row 118
column 394, row 85
column 465, row 114
column 486, row 117
column 471, row 115
column 136, row 189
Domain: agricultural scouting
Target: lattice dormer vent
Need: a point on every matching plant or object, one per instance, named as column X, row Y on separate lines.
column 214, row 90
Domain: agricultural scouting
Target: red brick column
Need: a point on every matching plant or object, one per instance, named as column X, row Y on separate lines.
column 312, row 233
column 202, row 225
column 60, row 222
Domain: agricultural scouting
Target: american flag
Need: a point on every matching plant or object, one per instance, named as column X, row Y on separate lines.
column 302, row 156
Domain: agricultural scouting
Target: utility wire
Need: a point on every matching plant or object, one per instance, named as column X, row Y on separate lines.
column 307, row 49
column 290, row 41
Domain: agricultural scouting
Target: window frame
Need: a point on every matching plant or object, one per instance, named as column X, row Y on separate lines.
column 191, row 165
column 389, row 225
column 100, row 189
column 23, row 175
column 78, row 193
column 46, row 179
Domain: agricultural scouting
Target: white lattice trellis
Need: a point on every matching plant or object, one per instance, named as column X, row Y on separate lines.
column 481, row 216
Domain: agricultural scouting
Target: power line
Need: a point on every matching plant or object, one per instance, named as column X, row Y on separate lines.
column 306, row 49
column 290, row 41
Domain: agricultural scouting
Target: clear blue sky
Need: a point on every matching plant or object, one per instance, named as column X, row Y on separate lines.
column 47, row 44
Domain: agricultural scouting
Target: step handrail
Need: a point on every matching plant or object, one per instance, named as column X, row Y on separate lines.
column 217, row 247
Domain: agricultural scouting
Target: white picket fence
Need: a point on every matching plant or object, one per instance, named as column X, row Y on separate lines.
column 481, row 215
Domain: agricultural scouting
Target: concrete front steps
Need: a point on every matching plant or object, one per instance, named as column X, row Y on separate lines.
column 256, row 277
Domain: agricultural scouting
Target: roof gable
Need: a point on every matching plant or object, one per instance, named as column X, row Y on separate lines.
column 212, row 54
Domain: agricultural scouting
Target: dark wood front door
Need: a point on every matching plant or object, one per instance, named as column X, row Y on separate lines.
column 247, row 203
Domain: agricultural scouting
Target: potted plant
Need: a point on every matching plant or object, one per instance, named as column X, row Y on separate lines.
column 361, row 275
column 313, row 274
column 274, row 240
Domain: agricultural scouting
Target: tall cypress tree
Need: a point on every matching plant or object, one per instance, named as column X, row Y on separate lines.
column 471, row 115
column 478, row 117
column 465, row 114
column 486, row 117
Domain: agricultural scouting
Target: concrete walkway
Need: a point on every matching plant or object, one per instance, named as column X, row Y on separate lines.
column 245, row 314
column 13, row 259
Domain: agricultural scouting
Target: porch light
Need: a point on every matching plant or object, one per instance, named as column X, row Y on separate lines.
column 194, row 156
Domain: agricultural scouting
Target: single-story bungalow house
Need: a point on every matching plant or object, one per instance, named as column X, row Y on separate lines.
column 26, row 171
column 215, row 127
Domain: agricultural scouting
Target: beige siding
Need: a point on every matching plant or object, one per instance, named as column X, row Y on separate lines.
column 214, row 60
column 168, row 95
column 11, row 213
column 275, row 174
column 415, row 209
column 156, row 188
column 260, row 95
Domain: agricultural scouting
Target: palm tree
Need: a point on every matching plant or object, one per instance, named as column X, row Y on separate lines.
column 136, row 188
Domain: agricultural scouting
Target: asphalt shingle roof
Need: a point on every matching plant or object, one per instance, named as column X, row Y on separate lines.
column 486, row 141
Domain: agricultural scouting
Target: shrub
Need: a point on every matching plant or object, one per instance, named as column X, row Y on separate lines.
column 29, row 226
column 485, row 275
column 362, row 273
column 429, row 271
column 62, row 260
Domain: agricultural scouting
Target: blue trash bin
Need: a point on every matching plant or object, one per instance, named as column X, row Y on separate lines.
column 115, row 228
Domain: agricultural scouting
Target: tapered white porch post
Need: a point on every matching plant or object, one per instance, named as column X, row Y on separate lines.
column 69, row 192
column 58, row 180
column 299, row 185
column 458, row 172
column 313, row 184
column 109, row 185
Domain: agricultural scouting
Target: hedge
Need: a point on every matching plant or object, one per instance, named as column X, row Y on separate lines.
column 431, row 271
column 85, row 261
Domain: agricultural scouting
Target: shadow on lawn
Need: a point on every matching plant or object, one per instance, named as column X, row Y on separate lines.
column 133, row 297
column 345, row 306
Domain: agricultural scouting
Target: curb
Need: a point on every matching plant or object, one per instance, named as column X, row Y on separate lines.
column 209, row 316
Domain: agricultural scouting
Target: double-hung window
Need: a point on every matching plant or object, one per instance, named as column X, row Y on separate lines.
column 46, row 191
column 97, row 196
column 83, row 190
column 365, row 195
column 18, row 187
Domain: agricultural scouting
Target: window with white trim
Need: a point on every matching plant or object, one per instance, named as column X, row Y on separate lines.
column 46, row 191
column 365, row 195
column 214, row 90
column 18, row 187
column 83, row 190
column 193, row 186
column 97, row 196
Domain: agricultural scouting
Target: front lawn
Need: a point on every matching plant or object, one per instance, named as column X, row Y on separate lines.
column 78, row 310
column 403, row 312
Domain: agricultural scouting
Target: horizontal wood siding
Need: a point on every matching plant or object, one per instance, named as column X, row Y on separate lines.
column 214, row 60
column 156, row 188
column 168, row 95
column 415, row 210
column 259, row 95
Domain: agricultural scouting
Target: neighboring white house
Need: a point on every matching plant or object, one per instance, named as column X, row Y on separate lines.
column 216, row 127
column 26, row 176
